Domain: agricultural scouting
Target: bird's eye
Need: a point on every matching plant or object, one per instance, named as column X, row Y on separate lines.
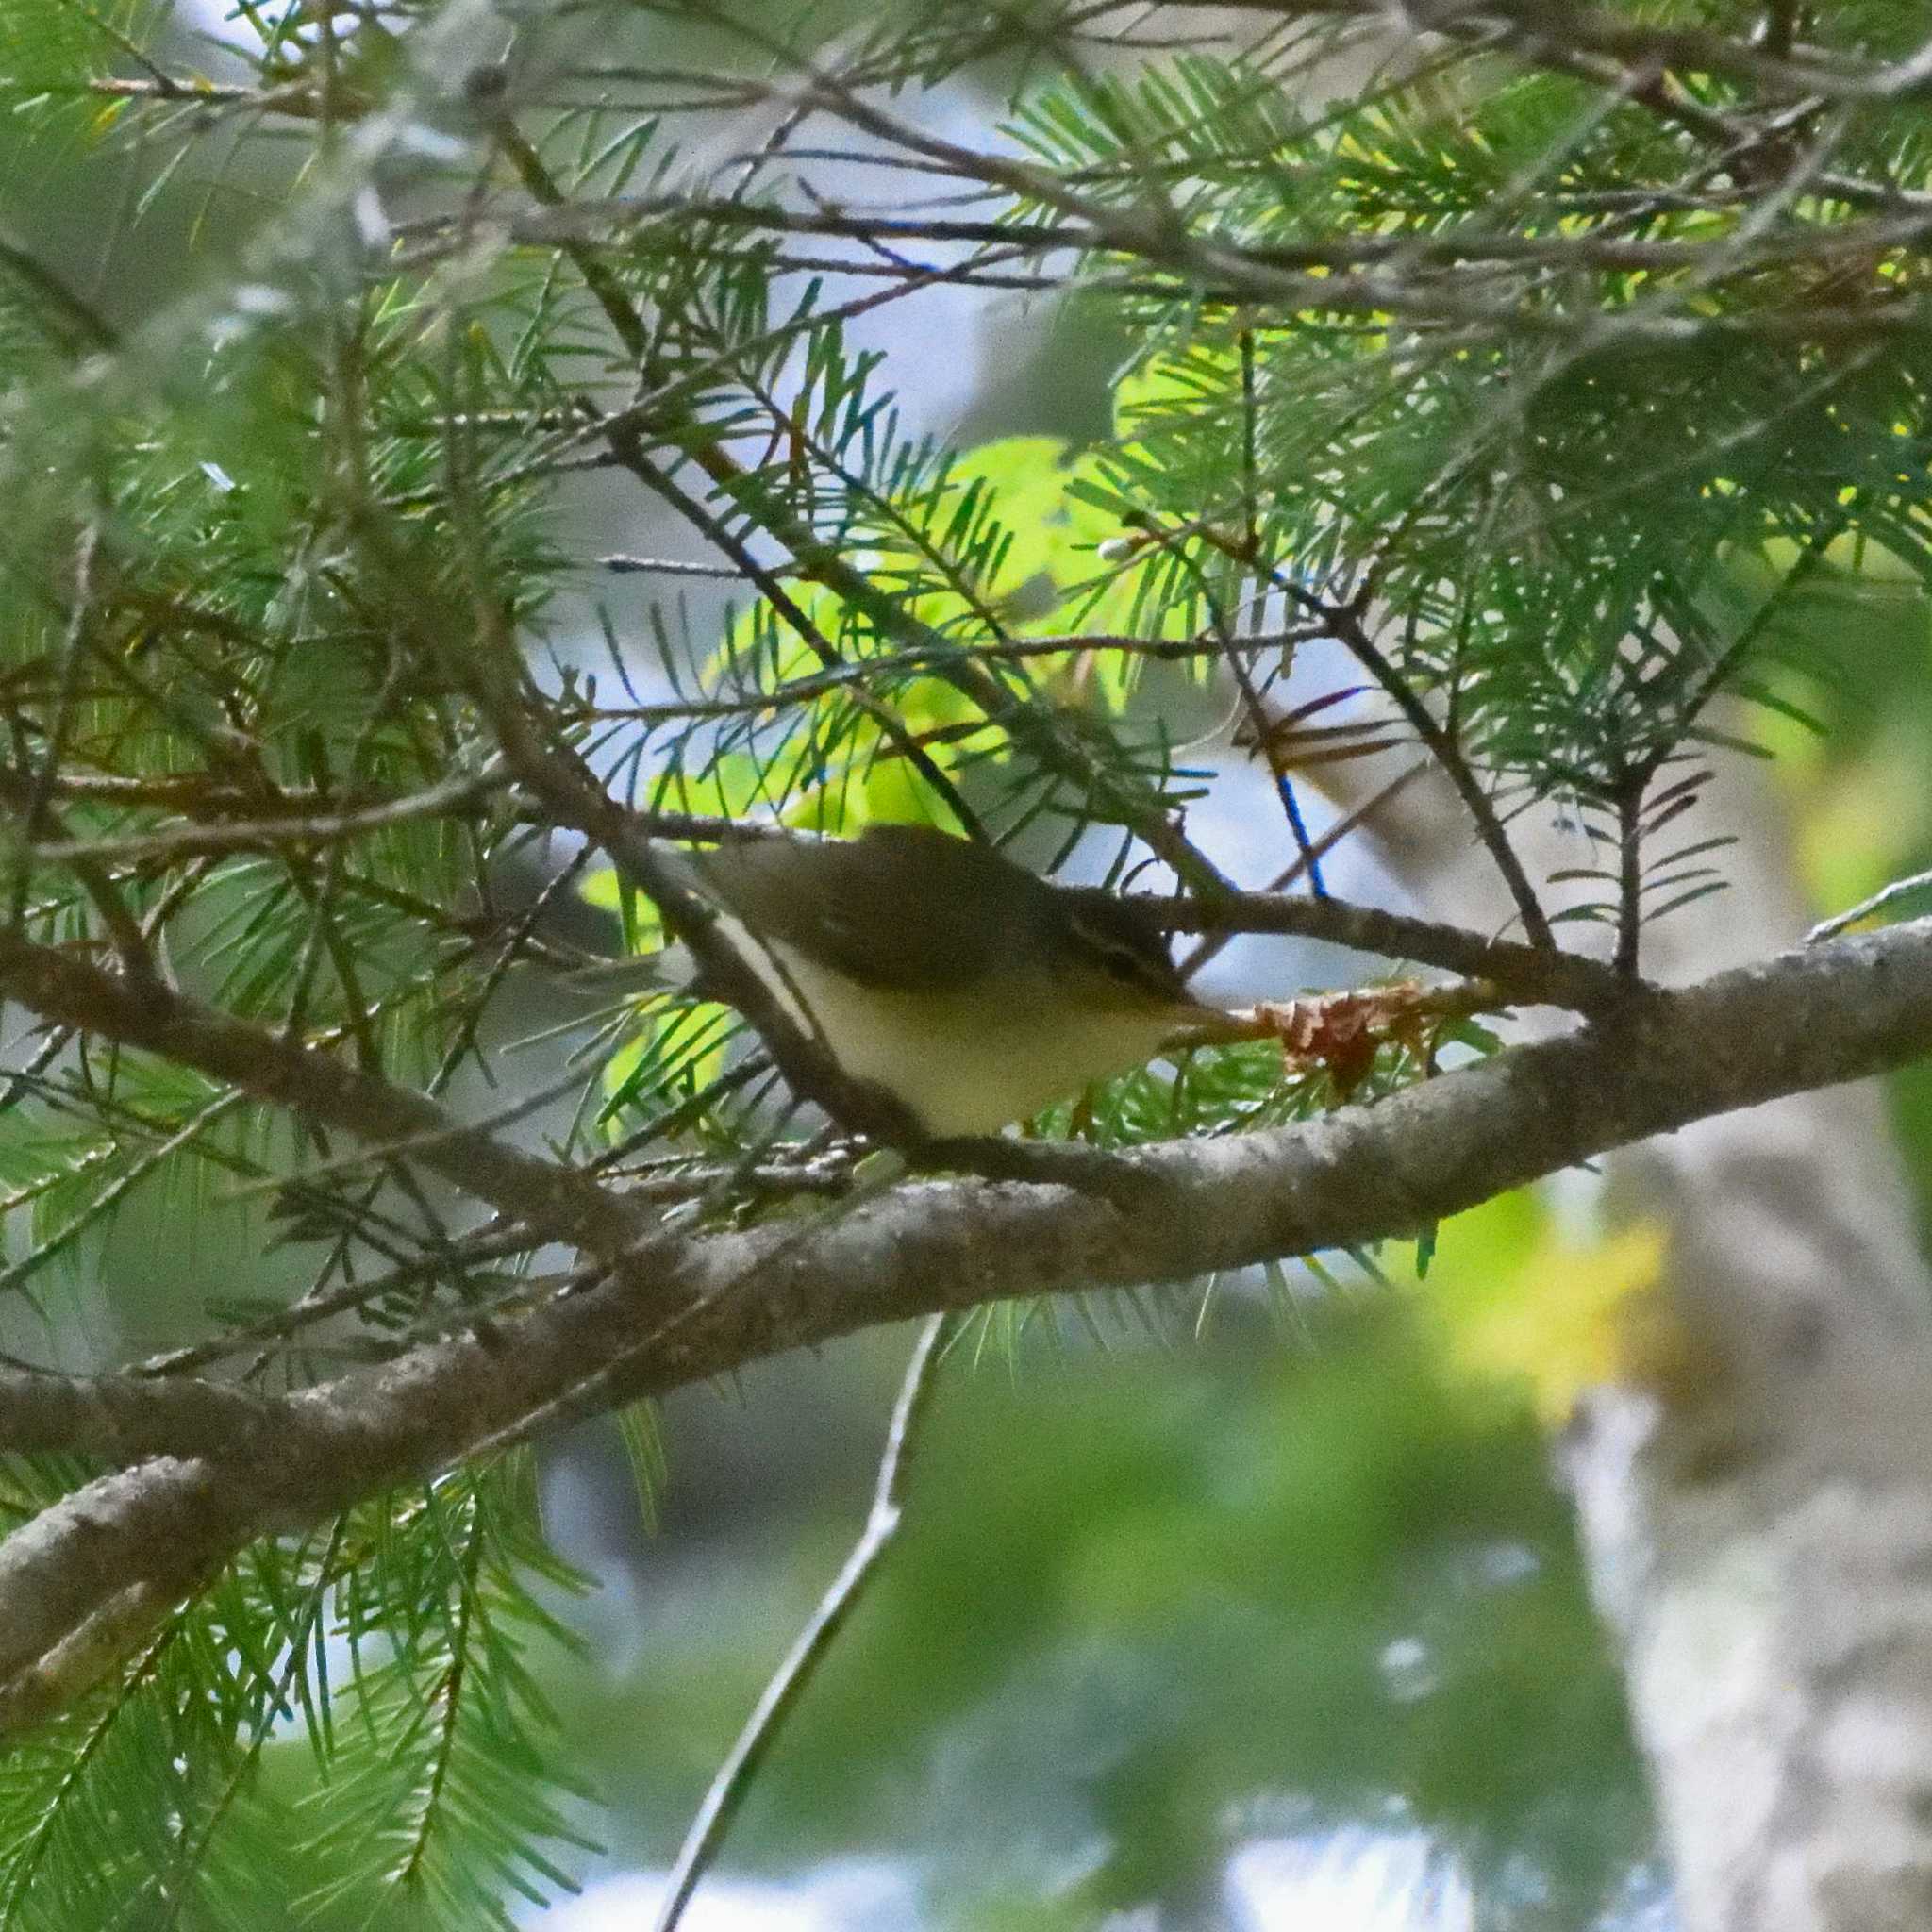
column 1122, row 964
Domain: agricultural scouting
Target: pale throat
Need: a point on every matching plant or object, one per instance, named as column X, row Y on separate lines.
column 961, row 1062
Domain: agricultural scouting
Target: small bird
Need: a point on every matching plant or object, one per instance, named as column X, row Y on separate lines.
column 921, row 986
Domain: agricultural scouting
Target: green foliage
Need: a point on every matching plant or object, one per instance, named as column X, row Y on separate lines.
column 1535, row 430
column 442, row 1791
column 392, row 1657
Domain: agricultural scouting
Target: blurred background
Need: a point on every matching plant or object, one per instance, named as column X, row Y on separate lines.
column 1250, row 1604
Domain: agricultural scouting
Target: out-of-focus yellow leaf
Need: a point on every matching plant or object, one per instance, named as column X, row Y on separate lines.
column 1171, row 385
column 621, row 1067
column 1860, row 825
column 643, row 929
column 1028, row 478
column 1565, row 1320
column 895, row 794
column 688, row 1042
column 602, row 889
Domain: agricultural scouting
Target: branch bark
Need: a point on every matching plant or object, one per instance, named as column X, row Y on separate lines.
column 671, row 1311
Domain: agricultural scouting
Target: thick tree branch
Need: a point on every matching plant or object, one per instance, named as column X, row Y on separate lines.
column 708, row 1304
column 122, row 1419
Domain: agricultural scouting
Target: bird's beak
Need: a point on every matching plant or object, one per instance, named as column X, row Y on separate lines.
column 1198, row 1023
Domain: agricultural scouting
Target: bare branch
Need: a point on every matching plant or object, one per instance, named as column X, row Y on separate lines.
column 780, row 1696
column 549, row 1195
column 1534, row 975
column 451, row 795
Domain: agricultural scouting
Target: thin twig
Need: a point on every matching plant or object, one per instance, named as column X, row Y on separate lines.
column 1532, row 975
column 797, row 690
column 172, row 841
column 1890, row 895
column 781, row 1694
column 1455, row 248
column 1629, row 874
column 1319, row 849
column 490, row 1243
column 1344, row 624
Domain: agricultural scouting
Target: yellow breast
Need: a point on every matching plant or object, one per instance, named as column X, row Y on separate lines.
column 961, row 1062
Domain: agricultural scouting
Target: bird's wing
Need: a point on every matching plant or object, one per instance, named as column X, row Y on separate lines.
column 903, row 907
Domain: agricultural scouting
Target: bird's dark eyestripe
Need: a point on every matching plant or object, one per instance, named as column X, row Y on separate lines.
column 1123, row 961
